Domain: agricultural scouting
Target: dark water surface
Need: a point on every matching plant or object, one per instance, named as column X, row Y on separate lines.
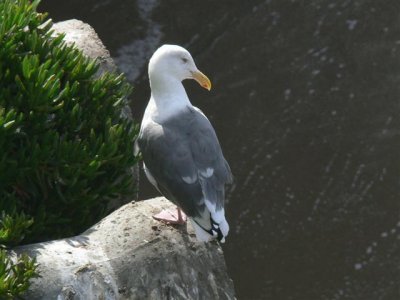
column 306, row 103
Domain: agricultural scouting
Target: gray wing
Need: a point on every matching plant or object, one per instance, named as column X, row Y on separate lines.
column 185, row 158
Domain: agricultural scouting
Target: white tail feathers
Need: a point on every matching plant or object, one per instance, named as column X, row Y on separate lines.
column 201, row 234
column 212, row 224
column 224, row 227
column 218, row 216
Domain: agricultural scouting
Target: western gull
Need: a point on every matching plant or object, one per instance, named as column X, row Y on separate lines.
column 182, row 157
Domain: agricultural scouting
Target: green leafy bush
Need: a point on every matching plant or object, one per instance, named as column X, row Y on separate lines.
column 14, row 277
column 65, row 149
column 13, row 228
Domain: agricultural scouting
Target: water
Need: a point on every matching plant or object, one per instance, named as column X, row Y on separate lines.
column 306, row 103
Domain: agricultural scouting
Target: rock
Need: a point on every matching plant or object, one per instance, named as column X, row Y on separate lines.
column 129, row 255
column 84, row 37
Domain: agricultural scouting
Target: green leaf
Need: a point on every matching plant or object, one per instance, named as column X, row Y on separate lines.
column 15, row 275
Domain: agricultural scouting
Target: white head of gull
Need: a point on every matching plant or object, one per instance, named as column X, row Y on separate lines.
column 182, row 156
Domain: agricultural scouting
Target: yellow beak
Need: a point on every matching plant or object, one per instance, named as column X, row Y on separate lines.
column 202, row 79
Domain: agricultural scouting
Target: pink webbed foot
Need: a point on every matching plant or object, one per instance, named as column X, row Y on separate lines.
column 170, row 216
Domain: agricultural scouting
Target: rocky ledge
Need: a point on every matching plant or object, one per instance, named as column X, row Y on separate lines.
column 129, row 255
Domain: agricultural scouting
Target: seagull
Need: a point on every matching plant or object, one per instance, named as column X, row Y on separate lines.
column 181, row 154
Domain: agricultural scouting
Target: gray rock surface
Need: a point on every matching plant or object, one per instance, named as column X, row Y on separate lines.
column 129, row 255
column 86, row 39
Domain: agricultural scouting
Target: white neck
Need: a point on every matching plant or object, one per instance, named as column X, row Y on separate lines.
column 168, row 97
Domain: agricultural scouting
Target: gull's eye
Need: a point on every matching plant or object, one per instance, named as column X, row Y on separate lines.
column 184, row 60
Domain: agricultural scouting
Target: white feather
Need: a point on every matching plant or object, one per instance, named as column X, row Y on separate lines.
column 207, row 173
column 218, row 215
column 224, row 226
column 190, row 180
column 210, row 206
column 201, row 235
column 149, row 176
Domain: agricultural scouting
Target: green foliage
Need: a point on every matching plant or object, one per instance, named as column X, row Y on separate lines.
column 65, row 149
column 14, row 277
column 13, row 228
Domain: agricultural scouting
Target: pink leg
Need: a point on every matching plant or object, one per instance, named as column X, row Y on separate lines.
column 168, row 216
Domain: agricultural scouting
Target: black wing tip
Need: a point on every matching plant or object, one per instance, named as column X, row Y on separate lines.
column 220, row 236
column 215, row 230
